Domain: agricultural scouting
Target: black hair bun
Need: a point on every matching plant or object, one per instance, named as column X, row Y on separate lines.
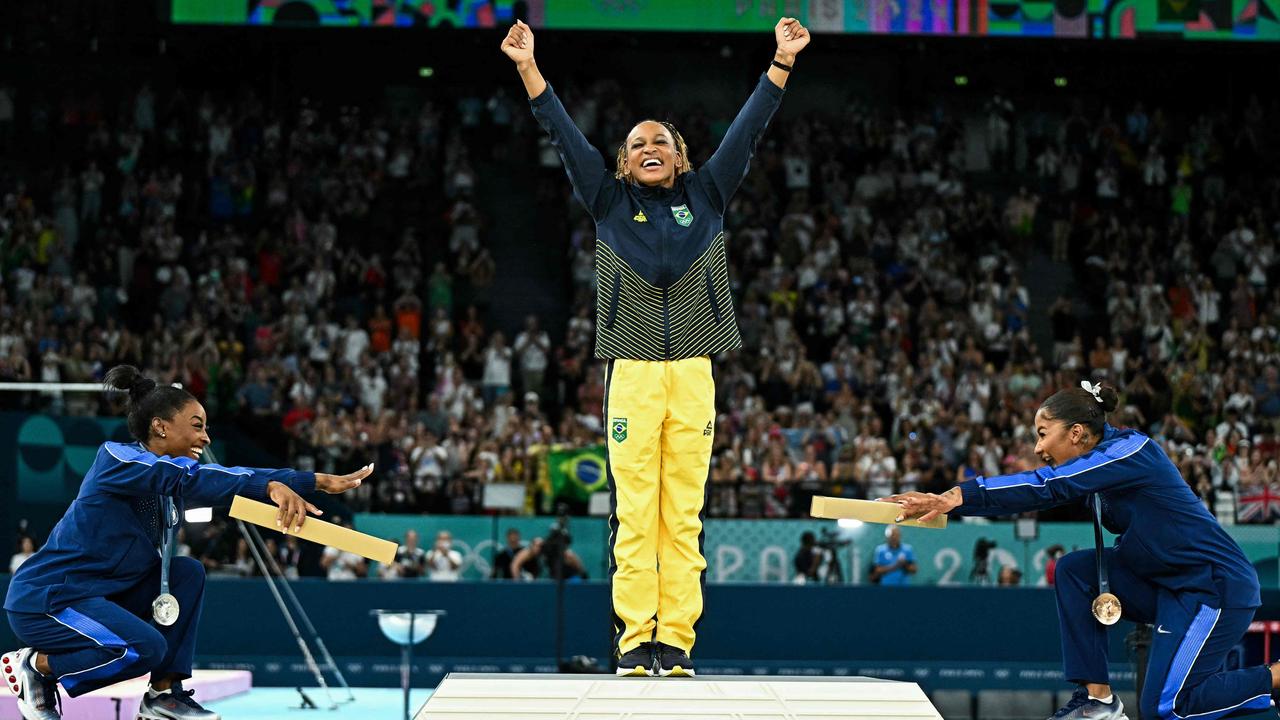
column 1110, row 398
column 131, row 380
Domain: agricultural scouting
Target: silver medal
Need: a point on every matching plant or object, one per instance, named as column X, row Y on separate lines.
column 165, row 609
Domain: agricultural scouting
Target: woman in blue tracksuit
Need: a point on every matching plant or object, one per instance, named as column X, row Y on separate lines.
column 83, row 603
column 1173, row 565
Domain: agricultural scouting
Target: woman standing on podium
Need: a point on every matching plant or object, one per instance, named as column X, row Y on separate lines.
column 664, row 308
column 103, row 600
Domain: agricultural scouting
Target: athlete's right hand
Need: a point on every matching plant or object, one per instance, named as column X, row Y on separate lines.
column 518, row 44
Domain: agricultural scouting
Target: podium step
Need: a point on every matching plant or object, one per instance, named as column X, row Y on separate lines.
column 465, row 696
column 121, row 700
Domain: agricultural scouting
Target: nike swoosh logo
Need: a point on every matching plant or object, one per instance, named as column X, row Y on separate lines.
column 1160, row 629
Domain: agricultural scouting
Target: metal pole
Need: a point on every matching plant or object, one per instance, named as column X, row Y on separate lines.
column 306, row 619
column 406, row 671
column 288, row 617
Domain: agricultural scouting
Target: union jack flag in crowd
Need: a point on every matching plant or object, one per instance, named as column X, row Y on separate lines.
column 1258, row 504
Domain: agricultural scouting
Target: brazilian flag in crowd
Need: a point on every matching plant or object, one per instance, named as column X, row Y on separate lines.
column 576, row 473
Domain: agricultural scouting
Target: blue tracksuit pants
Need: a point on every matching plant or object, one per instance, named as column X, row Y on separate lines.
column 101, row 641
column 1185, row 674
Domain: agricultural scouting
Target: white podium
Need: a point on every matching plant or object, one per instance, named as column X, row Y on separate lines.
column 466, row 696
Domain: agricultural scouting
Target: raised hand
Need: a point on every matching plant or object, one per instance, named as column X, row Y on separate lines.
column 334, row 484
column 518, row 44
column 791, row 36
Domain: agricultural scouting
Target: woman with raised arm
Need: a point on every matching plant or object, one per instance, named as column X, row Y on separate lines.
column 103, row 600
column 1173, row 566
column 664, row 308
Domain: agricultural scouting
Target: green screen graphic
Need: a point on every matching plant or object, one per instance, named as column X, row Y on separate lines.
column 1245, row 20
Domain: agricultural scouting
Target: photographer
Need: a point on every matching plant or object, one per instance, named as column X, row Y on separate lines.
column 410, row 562
column 894, row 563
column 502, row 561
column 808, row 559
column 981, row 573
column 528, row 563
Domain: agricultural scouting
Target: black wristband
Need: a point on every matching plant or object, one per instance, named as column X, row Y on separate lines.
column 780, row 66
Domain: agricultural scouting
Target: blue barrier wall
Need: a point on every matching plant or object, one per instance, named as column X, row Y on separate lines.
column 940, row 637
column 761, row 551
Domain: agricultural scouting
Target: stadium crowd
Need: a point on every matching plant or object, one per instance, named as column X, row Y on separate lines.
column 321, row 276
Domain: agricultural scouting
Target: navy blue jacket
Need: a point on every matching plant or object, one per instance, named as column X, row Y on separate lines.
column 1166, row 534
column 663, row 281
column 105, row 544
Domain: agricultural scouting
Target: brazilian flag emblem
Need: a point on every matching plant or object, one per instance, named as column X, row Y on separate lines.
column 682, row 215
column 577, row 473
column 619, row 429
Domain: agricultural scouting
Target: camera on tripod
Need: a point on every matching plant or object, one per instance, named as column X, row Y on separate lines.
column 558, row 538
column 830, row 540
column 982, row 561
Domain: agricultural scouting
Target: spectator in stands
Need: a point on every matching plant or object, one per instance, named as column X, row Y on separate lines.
column 26, row 548
column 533, row 347
column 341, row 564
column 444, row 564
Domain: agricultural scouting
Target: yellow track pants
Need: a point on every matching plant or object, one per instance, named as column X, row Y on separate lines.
column 660, row 419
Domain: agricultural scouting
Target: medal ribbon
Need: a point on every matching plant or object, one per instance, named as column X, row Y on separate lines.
column 1104, row 584
column 167, row 542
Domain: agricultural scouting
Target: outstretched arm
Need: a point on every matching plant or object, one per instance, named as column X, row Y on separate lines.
column 1119, row 465
column 726, row 168
column 592, row 181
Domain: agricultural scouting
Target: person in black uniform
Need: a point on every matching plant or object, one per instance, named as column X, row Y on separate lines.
column 502, row 560
column 664, row 308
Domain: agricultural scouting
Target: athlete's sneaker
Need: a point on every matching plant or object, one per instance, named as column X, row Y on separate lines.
column 37, row 693
column 674, row 662
column 1083, row 707
column 177, row 704
column 637, row 662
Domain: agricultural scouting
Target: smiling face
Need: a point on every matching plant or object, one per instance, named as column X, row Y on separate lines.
column 652, row 157
column 1058, row 442
column 184, row 434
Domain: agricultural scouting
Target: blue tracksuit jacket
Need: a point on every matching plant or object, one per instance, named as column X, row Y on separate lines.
column 1165, row 533
column 106, row 542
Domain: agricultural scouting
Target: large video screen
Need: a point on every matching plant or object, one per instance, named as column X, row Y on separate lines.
column 1249, row 20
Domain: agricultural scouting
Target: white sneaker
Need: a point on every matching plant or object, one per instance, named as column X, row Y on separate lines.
column 176, row 704
column 37, row 693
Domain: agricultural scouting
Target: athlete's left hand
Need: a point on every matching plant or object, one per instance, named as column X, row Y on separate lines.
column 792, row 37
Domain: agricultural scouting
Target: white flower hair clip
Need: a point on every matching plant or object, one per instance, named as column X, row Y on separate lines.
column 1094, row 389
